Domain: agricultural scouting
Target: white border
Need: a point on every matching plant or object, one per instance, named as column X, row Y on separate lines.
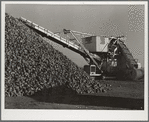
column 17, row 114
column 77, row 3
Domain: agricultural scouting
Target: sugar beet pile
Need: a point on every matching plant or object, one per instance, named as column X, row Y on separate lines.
column 31, row 64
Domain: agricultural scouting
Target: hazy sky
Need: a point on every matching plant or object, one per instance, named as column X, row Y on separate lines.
column 112, row 20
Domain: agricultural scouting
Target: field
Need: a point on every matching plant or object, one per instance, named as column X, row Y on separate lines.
column 122, row 95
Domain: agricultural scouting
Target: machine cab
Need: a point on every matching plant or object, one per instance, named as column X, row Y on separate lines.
column 92, row 69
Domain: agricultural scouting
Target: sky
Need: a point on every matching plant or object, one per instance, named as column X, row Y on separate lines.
column 110, row 20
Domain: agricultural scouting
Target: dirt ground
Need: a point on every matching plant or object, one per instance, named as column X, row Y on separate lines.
column 123, row 95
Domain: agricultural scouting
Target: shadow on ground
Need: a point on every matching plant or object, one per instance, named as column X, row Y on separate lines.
column 64, row 95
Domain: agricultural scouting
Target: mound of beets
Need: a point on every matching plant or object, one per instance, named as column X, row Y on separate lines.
column 32, row 64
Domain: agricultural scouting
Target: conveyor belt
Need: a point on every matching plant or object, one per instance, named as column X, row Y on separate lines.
column 58, row 39
column 54, row 37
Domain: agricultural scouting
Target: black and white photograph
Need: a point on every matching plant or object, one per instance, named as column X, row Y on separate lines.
column 74, row 60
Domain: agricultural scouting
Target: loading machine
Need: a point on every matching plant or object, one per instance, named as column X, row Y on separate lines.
column 107, row 57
